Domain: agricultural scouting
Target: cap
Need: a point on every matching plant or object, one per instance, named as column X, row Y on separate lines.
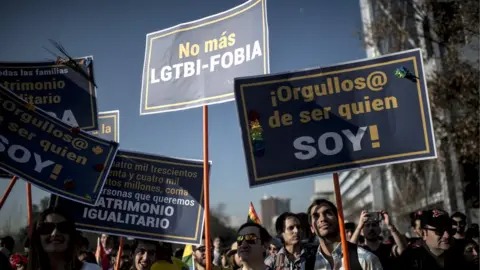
column 436, row 218
column 232, row 250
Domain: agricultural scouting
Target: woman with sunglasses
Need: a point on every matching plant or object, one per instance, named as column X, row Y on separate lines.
column 53, row 243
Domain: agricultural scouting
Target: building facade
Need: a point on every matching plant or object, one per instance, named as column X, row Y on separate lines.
column 272, row 207
column 377, row 188
column 323, row 189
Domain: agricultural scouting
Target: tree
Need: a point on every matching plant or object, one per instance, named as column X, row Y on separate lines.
column 219, row 224
column 447, row 31
column 37, row 209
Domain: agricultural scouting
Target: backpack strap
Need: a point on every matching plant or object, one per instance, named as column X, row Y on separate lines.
column 353, row 257
column 311, row 257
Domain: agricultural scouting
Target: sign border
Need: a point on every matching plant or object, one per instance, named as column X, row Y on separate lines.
column 146, row 110
column 65, row 194
column 198, row 230
column 115, row 114
column 252, row 169
column 91, row 87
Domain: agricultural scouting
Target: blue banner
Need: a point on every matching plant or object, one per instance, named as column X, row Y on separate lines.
column 108, row 126
column 194, row 63
column 149, row 197
column 55, row 88
column 343, row 117
column 108, row 129
column 50, row 154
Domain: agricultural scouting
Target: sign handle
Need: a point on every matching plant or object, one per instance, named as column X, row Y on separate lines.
column 341, row 222
column 206, row 189
column 7, row 191
column 29, row 208
column 119, row 254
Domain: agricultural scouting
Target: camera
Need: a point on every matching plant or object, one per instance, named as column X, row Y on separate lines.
column 375, row 216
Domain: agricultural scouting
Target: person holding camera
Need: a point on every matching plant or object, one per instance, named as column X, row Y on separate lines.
column 369, row 228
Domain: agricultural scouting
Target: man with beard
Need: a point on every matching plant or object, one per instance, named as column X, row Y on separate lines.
column 253, row 241
column 435, row 253
column 144, row 254
column 369, row 227
column 329, row 254
column 200, row 257
column 291, row 256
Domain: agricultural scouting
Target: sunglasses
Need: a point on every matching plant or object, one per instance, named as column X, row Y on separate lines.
column 48, row 227
column 441, row 231
column 249, row 238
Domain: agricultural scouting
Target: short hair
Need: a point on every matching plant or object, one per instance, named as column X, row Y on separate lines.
column 318, row 202
column 264, row 235
column 350, row 226
column 280, row 222
column 8, row 242
column 459, row 215
column 136, row 242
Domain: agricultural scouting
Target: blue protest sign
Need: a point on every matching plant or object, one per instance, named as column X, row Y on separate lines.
column 343, row 117
column 5, row 174
column 50, row 154
column 108, row 126
column 193, row 64
column 149, row 197
column 55, row 88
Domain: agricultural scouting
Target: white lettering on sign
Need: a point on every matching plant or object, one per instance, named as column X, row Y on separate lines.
column 215, row 62
column 21, row 154
column 67, row 117
column 307, row 151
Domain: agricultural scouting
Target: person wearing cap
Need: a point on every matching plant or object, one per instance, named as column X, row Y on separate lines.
column 234, row 261
column 166, row 260
column 436, row 232
column 200, row 256
column 275, row 246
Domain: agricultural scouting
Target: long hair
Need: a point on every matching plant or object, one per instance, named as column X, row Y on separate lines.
column 38, row 258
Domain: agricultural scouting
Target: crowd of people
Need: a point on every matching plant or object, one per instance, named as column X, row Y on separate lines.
column 309, row 241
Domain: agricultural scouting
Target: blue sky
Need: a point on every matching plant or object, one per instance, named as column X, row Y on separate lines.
column 303, row 33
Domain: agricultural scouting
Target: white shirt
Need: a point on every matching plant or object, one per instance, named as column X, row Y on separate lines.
column 90, row 266
column 368, row 261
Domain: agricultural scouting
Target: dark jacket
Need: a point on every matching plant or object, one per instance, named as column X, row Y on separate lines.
column 5, row 262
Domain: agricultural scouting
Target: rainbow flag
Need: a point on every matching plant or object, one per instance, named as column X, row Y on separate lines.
column 187, row 256
column 252, row 215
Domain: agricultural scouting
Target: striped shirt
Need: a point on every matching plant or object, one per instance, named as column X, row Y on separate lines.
column 367, row 260
column 283, row 262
